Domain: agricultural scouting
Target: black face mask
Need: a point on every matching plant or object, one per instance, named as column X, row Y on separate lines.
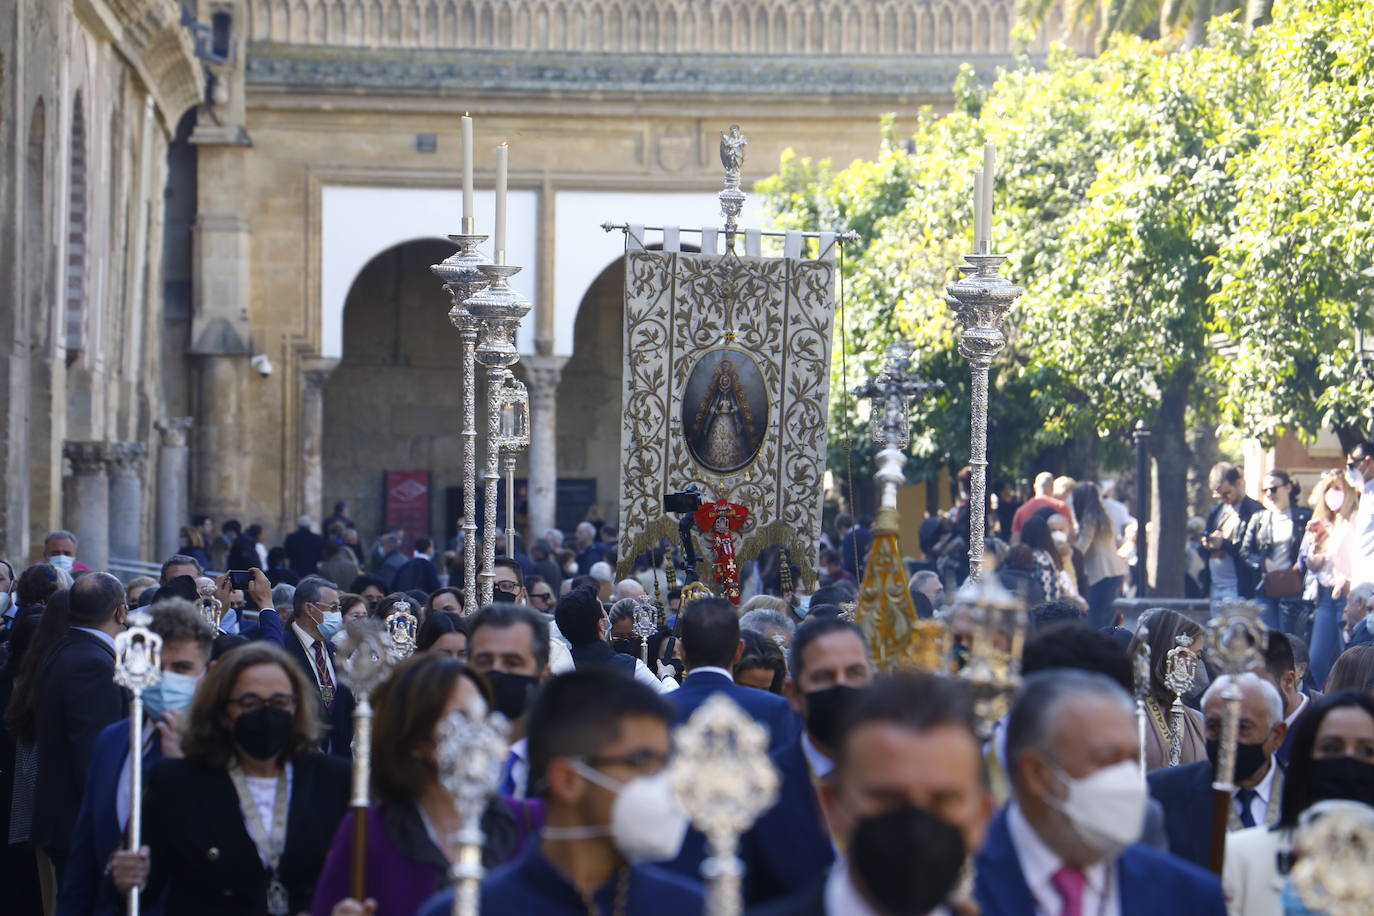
column 826, row 711
column 906, row 861
column 626, row 645
column 511, row 692
column 263, row 733
column 1249, row 758
column 1343, row 777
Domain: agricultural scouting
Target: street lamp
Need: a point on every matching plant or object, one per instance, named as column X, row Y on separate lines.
column 1142, row 506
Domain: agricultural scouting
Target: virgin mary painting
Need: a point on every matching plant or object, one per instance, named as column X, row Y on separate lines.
column 725, row 410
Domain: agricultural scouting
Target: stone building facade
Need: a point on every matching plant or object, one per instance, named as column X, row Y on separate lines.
column 289, row 310
column 91, row 93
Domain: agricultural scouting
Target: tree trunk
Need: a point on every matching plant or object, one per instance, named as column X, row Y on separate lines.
column 1169, row 509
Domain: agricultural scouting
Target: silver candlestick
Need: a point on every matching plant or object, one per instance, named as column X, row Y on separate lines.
column 980, row 301
column 732, row 144
column 463, row 278
column 498, row 310
column 363, row 663
column 138, row 666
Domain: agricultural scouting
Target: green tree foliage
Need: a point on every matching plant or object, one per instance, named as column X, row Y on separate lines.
column 1187, row 227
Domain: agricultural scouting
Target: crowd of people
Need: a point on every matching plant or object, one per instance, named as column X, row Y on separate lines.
column 889, row 784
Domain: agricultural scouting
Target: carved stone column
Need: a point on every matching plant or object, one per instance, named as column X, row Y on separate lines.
column 126, row 499
column 543, row 373
column 173, row 484
column 315, row 372
column 87, row 511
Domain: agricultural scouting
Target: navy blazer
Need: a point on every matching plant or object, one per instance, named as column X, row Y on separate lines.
column 790, row 844
column 1185, row 792
column 86, row 889
column 768, row 709
column 1148, row 882
column 77, row 698
column 338, row 739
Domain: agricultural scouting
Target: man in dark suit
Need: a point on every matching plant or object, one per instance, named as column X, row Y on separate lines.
column 1066, row 844
column 908, row 743
column 1185, row 791
column 854, row 547
column 304, row 548
column 790, row 843
column 316, row 616
column 710, row 647
column 77, row 698
column 1281, row 670
column 419, row 572
column 87, row 887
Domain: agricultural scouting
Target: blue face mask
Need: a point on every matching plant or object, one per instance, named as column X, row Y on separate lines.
column 172, row 691
column 331, row 623
column 229, row 623
column 804, row 605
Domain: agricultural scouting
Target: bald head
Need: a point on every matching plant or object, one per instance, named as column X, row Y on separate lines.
column 1044, row 483
column 627, row 588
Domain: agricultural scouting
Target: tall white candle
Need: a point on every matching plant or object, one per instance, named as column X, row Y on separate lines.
column 989, row 181
column 979, row 232
column 467, row 171
column 501, row 152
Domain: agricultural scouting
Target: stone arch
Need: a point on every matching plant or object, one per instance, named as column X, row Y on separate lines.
column 36, row 320
column 74, row 330
column 982, row 31
column 944, row 33
column 394, row 403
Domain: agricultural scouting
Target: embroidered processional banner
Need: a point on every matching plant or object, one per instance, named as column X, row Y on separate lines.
column 726, row 386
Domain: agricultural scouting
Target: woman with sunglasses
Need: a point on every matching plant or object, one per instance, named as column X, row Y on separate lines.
column 242, row 823
column 1270, row 549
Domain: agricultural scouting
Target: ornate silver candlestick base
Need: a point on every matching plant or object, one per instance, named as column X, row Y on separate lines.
column 980, row 301
column 498, row 310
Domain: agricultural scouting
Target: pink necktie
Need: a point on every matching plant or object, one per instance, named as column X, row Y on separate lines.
column 1069, row 882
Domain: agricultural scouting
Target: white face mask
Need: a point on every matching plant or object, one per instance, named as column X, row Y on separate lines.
column 647, row 823
column 1105, row 808
column 62, row 562
column 5, row 601
column 1335, row 498
column 1354, row 477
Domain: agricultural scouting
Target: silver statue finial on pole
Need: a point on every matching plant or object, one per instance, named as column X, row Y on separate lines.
column 724, row 780
column 138, row 666
column 890, row 393
column 401, row 627
column 514, row 405
column 1180, row 670
column 363, row 663
column 732, row 144
column 470, row 754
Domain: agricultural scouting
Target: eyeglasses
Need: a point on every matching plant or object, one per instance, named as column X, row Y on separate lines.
column 642, row 760
column 251, row 702
column 1271, row 489
column 331, row 608
column 509, row 588
column 542, row 596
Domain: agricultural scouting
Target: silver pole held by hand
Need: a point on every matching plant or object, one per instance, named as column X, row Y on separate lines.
column 138, row 666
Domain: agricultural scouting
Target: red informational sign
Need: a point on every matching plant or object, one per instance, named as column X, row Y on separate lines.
column 407, row 503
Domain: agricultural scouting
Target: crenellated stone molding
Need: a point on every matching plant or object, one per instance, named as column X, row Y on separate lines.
column 857, row 27
column 87, row 457
column 126, row 458
column 909, row 78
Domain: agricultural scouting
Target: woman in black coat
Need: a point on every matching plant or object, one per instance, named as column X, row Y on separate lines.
column 242, row 824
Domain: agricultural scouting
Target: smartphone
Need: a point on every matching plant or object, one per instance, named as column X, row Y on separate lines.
column 240, row 578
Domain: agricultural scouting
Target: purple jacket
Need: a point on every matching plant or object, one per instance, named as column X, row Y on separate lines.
column 404, row 867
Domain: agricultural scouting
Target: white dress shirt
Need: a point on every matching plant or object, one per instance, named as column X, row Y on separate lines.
column 1259, row 805
column 821, row 765
column 308, row 643
column 1039, row 864
column 1291, row 720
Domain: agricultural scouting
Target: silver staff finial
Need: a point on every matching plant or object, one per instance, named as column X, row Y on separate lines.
column 401, row 626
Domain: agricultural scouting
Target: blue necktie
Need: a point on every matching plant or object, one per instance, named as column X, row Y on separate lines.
column 1245, row 796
